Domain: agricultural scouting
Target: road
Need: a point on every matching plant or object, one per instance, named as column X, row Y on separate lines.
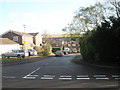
column 58, row 72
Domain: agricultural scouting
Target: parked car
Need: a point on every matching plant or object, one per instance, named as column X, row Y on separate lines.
column 32, row 52
column 65, row 52
column 20, row 53
column 59, row 53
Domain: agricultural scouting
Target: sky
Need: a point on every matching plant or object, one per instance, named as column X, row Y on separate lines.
column 39, row 15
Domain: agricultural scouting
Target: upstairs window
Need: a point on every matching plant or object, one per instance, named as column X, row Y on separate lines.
column 73, row 44
column 15, row 38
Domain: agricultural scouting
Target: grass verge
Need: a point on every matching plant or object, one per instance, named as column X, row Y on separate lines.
column 9, row 59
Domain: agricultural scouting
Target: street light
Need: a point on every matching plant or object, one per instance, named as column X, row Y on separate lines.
column 24, row 26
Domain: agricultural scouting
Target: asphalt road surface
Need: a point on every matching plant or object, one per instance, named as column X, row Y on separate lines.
column 58, row 72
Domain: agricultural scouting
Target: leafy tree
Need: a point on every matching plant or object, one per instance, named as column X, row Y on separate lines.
column 88, row 18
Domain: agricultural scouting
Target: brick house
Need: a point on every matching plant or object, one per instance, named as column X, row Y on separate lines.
column 74, row 46
column 37, row 38
column 20, row 37
column 64, row 40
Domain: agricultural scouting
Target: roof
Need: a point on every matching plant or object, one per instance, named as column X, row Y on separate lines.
column 6, row 41
column 33, row 34
column 20, row 33
column 59, row 35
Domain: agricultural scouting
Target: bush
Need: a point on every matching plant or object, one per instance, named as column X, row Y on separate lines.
column 86, row 47
column 38, row 49
column 47, row 49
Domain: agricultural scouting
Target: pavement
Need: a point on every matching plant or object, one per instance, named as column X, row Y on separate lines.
column 24, row 61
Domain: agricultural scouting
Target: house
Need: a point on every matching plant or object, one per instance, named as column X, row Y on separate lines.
column 7, row 45
column 23, row 39
column 74, row 46
column 64, row 40
column 37, row 38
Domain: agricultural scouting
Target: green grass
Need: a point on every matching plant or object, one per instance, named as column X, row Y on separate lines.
column 9, row 59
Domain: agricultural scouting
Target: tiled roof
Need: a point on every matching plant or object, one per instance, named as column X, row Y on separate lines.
column 33, row 34
column 59, row 35
column 21, row 33
column 6, row 41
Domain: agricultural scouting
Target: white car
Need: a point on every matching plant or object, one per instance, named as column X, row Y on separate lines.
column 59, row 53
column 32, row 52
column 16, row 53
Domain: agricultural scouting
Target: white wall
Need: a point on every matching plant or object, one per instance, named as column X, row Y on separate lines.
column 38, row 39
column 6, row 48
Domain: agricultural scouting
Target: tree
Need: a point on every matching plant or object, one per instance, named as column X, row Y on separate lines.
column 87, row 18
column 102, row 44
column 116, row 4
column 45, row 36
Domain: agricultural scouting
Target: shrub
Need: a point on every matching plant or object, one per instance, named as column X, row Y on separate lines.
column 86, row 47
column 38, row 49
column 47, row 49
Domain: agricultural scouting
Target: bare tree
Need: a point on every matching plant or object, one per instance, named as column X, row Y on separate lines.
column 45, row 36
column 116, row 4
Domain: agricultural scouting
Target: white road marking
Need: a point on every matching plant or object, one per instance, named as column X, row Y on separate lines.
column 49, row 78
column 103, row 78
column 82, row 78
column 65, row 78
column 49, row 75
column 115, row 76
column 29, row 76
column 12, row 77
column 99, row 75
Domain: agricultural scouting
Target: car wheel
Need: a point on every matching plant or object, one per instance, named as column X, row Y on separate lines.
column 18, row 56
column 3, row 56
column 23, row 56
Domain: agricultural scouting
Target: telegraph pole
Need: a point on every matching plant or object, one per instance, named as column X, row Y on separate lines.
column 24, row 26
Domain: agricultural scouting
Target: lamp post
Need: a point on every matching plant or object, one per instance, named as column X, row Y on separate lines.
column 24, row 26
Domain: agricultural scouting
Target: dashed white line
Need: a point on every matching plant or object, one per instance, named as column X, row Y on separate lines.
column 49, row 78
column 83, row 78
column 82, row 75
column 116, row 76
column 103, row 78
column 99, row 75
column 11, row 77
column 65, row 78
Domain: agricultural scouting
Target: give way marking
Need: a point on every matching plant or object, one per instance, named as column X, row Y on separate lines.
column 30, row 76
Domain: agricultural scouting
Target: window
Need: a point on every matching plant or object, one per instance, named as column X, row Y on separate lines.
column 15, row 38
column 73, row 44
column 69, row 45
